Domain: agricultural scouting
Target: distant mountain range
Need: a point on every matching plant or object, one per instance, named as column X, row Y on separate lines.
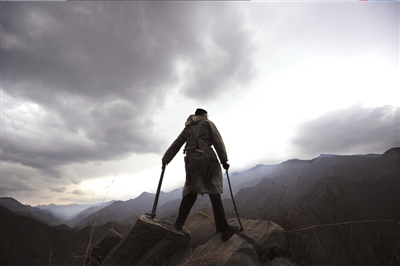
column 371, row 183
column 44, row 216
column 298, row 181
column 81, row 215
column 68, row 211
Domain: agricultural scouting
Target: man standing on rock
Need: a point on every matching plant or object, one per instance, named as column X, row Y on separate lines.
column 203, row 172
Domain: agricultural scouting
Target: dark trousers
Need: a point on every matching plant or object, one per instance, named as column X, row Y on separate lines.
column 219, row 214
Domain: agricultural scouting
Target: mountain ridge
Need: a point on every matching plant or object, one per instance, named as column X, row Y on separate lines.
column 287, row 181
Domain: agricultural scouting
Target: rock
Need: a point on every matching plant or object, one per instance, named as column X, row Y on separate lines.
column 281, row 261
column 150, row 242
column 202, row 227
column 236, row 251
column 101, row 249
column 266, row 237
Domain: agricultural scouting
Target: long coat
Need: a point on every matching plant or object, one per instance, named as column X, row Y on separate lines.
column 203, row 171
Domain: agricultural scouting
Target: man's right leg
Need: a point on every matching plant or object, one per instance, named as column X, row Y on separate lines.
column 184, row 210
column 221, row 223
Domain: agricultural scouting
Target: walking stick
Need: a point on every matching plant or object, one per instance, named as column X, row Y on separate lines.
column 153, row 212
column 233, row 200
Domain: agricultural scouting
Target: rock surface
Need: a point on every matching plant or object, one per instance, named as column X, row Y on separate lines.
column 153, row 242
column 260, row 239
column 281, row 261
column 236, row 251
column 101, row 249
column 264, row 234
column 201, row 226
column 266, row 237
column 150, row 242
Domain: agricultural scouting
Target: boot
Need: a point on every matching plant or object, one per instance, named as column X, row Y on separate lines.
column 229, row 233
column 180, row 228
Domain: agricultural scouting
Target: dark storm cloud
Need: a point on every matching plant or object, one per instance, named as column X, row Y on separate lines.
column 78, row 192
column 352, row 130
column 89, row 77
column 15, row 185
column 226, row 58
column 58, row 189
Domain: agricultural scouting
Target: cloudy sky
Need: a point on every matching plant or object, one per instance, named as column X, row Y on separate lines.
column 93, row 93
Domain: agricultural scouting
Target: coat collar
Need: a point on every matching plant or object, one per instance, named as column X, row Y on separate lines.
column 194, row 119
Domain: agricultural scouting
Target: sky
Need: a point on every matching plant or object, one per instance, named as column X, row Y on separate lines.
column 93, row 93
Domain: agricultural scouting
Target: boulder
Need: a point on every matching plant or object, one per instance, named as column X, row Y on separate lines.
column 201, row 226
column 266, row 237
column 263, row 238
column 101, row 249
column 281, row 261
column 236, row 251
column 150, row 242
column 153, row 242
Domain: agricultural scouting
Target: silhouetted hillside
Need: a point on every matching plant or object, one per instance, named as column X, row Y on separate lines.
column 128, row 211
column 266, row 193
column 26, row 210
column 86, row 213
column 375, row 199
column 363, row 178
column 26, row 241
column 248, row 178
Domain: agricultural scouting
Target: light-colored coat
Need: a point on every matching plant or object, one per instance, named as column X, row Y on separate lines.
column 203, row 170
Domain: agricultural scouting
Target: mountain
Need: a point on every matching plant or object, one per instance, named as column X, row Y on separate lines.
column 262, row 187
column 252, row 200
column 369, row 183
column 68, row 211
column 375, row 199
column 238, row 181
column 168, row 204
column 27, row 210
column 248, row 178
column 27, row 241
column 87, row 212
column 128, row 211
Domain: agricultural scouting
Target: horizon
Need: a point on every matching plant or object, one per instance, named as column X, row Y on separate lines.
column 177, row 188
column 93, row 93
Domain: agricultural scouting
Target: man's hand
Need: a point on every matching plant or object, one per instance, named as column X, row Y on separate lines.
column 164, row 161
column 225, row 165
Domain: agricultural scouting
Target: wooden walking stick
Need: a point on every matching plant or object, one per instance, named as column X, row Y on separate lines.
column 153, row 212
column 233, row 200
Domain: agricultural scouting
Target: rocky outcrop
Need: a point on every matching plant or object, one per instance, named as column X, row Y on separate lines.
column 236, row 251
column 201, row 226
column 150, row 242
column 280, row 261
column 260, row 240
column 153, row 242
column 266, row 237
column 105, row 245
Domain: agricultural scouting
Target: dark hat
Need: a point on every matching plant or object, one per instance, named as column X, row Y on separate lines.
column 200, row 111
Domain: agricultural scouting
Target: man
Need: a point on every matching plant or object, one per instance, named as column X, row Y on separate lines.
column 203, row 172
